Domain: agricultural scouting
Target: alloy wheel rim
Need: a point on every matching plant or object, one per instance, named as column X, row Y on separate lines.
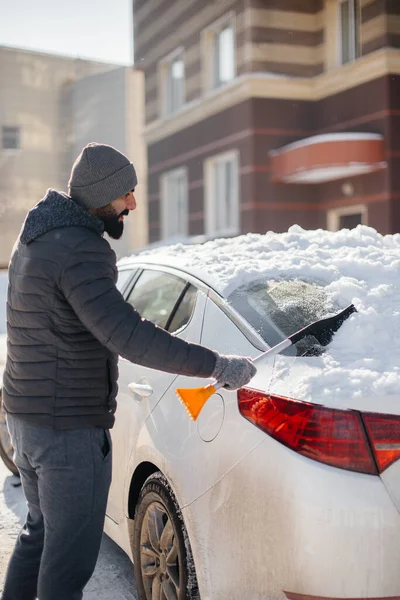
column 159, row 555
column 5, row 439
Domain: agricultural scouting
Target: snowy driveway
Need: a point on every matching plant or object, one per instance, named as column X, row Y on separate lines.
column 113, row 577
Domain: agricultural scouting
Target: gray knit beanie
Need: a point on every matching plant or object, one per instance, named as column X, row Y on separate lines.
column 100, row 175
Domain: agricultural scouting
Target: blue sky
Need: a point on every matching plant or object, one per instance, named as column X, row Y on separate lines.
column 94, row 29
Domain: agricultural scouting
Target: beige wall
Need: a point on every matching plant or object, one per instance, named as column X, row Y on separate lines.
column 136, row 149
column 60, row 104
column 108, row 108
column 31, row 85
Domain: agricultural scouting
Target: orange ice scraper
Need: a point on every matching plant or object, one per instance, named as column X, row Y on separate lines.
column 195, row 398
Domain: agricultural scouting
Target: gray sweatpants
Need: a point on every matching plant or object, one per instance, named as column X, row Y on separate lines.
column 65, row 476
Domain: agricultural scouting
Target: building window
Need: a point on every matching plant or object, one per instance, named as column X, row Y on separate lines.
column 222, row 194
column 11, row 138
column 172, row 83
column 349, row 19
column 219, row 53
column 174, row 203
column 347, row 217
column 224, row 56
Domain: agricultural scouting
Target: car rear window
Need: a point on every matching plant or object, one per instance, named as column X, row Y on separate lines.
column 278, row 308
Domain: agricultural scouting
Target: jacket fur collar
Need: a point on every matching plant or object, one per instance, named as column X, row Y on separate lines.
column 56, row 210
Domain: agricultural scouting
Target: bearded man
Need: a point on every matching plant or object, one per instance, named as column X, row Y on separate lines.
column 66, row 324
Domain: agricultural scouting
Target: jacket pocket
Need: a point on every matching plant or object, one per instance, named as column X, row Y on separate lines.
column 106, row 444
column 101, row 444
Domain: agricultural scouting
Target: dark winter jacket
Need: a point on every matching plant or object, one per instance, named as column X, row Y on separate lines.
column 67, row 323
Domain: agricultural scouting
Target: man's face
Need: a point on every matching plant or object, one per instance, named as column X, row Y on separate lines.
column 113, row 214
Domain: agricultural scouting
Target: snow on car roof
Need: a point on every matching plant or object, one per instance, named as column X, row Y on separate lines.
column 358, row 266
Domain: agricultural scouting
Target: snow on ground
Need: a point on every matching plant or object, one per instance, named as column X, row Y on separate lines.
column 358, row 266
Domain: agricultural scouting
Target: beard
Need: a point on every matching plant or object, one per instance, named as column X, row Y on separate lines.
column 112, row 225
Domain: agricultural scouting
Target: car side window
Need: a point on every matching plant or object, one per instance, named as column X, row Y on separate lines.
column 123, row 277
column 183, row 311
column 155, row 295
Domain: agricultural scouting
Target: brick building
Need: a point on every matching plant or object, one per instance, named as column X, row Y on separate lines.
column 265, row 113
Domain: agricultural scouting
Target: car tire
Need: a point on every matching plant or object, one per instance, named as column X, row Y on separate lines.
column 161, row 548
column 6, row 449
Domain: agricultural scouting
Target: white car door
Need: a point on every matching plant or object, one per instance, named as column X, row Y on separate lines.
column 156, row 295
column 195, row 455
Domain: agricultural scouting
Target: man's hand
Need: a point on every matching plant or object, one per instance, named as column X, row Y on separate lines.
column 233, row 371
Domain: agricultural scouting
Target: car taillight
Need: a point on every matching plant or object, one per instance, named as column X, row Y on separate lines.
column 334, row 437
column 384, row 434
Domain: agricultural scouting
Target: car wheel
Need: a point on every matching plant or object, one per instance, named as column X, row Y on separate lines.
column 164, row 566
column 6, row 449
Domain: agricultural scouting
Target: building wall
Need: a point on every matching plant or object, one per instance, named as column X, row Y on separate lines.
column 393, row 142
column 162, row 26
column 136, row 149
column 393, row 23
column 365, row 108
column 285, row 37
column 290, row 85
column 106, row 109
column 289, row 37
column 31, row 85
column 302, row 38
column 61, row 104
column 255, row 126
column 380, row 25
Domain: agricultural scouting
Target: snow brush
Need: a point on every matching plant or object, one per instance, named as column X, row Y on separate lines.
column 195, row 398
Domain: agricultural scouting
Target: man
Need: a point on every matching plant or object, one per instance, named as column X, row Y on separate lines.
column 67, row 324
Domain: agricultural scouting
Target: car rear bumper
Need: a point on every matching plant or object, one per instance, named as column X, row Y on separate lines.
column 279, row 522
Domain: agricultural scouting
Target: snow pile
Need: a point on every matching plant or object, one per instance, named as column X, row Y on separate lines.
column 358, row 266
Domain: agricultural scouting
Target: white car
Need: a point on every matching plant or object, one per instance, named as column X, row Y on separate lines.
column 290, row 487
column 6, row 450
column 264, row 496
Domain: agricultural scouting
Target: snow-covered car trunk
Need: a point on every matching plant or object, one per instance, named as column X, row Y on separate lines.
column 372, row 420
column 358, row 436
column 339, row 405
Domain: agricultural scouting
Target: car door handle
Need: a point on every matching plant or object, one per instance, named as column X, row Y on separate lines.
column 141, row 389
